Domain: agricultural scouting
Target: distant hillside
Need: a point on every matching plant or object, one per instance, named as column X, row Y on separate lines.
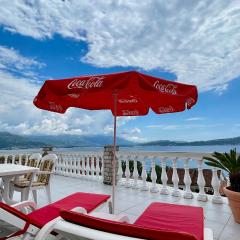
column 224, row 141
column 12, row 141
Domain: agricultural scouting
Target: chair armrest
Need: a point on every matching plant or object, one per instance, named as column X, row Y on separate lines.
column 43, row 172
column 25, row 204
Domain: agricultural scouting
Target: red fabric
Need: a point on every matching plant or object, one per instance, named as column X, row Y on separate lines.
column 18, row 214
column 89, row 201
column 174, row 217
column 136, row 93
column 124, row 228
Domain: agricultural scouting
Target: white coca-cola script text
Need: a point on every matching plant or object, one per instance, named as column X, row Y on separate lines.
column 92, row 82
column 166, row 88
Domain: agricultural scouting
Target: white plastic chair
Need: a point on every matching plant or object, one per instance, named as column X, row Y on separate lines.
column 40, row 180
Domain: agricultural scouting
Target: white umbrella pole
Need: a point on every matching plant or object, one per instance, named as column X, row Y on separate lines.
column 114, row 154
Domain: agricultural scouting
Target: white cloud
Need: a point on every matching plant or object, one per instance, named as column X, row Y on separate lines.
column 194, row 119
column 196, row 40
column 11, row 60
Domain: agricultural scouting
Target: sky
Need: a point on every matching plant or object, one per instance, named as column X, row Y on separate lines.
column 190, row 41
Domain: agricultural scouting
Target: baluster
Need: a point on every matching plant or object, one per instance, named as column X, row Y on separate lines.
column 97, row 168
column 144, row 186
column 81, row 166
column 127, row 183
column 65, row 165
column 93, row 168
column 120, row 171
column 13, row 159
column 101, row 163
column 164, row 190
column 88, row 166
column 75, row 165
column 20, row 159
column 216, row 185
column 61, row 167
column 153, row 188
column 187, row 180
column 135, row 184
column 202, row 196
column 175, row 179
column 5, row 159
column 26, row 159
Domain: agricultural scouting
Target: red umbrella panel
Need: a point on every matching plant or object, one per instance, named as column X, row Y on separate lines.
column 125, row 94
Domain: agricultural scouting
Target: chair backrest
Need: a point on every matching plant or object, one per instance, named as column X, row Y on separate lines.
column 47, row 164
column 33, row 161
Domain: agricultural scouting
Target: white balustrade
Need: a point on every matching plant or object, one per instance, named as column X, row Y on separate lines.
column 86, row 165
column 175, row 179
column 5, row 159
column 187, row 180
column 164, row 178
column 97, row 168
column 120, row 172
column 127, row 174
column 153, row 188
column 144, row 186
column 202, row 196
column 135, row 184
column 216, row 185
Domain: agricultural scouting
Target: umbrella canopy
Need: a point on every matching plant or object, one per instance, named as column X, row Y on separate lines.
column 136, row 93
column 125, row 94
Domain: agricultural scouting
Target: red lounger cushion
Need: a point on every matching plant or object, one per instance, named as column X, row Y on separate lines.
column 125, row 229
column 179, row 218
column 89, row 201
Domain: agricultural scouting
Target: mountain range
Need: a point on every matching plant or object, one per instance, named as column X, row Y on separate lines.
column 13, row 141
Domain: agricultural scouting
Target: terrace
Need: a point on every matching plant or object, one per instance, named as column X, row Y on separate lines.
column 75, row 172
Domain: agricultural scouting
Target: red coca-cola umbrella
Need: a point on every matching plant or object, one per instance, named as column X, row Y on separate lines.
column 125, row 94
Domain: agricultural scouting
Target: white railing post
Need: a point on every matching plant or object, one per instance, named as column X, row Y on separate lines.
column 216, row 185
column 164, row 178
column 144, row 186
column 135, row 174
column 175, row 179
column 202, row 196
column 5, row 159
column 20, row 159
column 187, row 180
column 127, row 172
column 153, row 188
column 120, row 172
column 97, row 168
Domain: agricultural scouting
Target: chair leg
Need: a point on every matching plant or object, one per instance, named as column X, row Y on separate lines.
column 48, row 191
column 34, row 193
column 24, row 194
column 11, row 191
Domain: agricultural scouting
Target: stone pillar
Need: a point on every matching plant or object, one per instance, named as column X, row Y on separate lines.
column 108, row 164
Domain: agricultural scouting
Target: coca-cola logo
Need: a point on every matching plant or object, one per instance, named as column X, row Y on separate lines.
column 167, row 109
column 166, row 88
column 92, row 82
column 130, row 112
column 133, row 100
column 55, row 107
